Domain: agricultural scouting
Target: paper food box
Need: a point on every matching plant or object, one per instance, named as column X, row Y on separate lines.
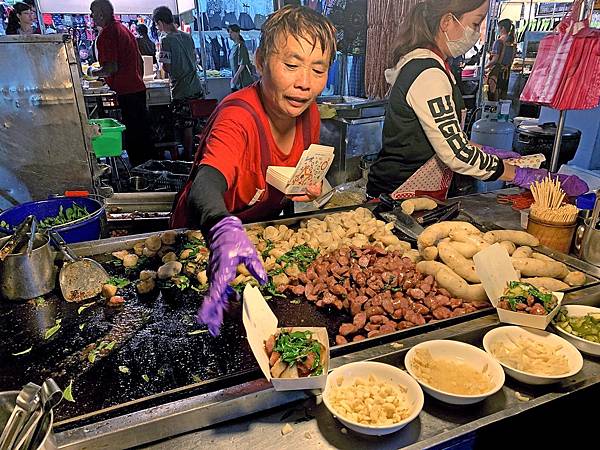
column 310, row 170
column 494, row 267
column 260, row 323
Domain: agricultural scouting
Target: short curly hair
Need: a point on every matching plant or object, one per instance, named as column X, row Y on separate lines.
column 299, row 22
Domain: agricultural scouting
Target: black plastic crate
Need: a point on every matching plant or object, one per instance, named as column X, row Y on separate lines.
column 164, row 175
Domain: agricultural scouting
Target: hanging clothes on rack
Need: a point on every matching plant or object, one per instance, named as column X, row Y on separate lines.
column 259, row 20
column 218, row 53
column 215, row 21
column 215, row 49
column 333, row 77
column 205, row 22
column 356, row 75
column 209, row 63
column 226, row 49
column 229, row 19
column 245, row 21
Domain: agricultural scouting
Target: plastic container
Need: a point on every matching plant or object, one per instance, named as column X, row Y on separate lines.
column 110, row 141
column 86, row 229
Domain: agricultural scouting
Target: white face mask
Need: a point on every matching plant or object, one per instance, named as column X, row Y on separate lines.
column 461, row 46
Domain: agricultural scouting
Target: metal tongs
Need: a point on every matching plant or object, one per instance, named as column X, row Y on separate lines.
column 33, row 405
column 441, row 214
column 26, row 403
column 50, row 396
column 17, row 239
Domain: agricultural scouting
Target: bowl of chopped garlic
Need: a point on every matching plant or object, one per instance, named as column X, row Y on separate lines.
column 533, row 356
column 372, row 398
column 454, row 372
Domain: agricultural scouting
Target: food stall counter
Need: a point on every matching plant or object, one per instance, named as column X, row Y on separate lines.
column 235, row 394
column 303, row 420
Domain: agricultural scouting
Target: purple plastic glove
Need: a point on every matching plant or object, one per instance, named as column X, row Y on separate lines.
column 571, row 184
column 229, row 246
column 502, row 154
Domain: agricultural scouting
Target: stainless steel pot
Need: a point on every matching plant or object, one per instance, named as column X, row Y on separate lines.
column 47, row 441
column 24, row 277
column 587, row 243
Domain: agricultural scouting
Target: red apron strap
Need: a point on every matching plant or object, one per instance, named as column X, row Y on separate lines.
column 271, row 198
column 305, row 123
column 178, row 216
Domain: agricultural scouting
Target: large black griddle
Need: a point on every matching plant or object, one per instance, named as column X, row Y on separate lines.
column 152, row 339
column 151, row 334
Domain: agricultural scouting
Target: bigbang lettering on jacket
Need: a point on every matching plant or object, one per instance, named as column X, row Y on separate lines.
column 446, row 119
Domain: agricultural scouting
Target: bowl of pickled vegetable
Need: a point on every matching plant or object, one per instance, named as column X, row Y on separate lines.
column 580, row 325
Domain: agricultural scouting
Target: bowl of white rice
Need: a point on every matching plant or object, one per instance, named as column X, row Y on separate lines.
column 372, row 398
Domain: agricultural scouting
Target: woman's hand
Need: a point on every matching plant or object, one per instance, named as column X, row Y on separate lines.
column 572, row 185
column 229, row 246
column 312, row 192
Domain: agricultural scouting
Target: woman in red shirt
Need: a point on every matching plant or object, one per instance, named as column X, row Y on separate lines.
column 267, row 124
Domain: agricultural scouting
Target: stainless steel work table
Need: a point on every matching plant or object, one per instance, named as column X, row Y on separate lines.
column 437, row 425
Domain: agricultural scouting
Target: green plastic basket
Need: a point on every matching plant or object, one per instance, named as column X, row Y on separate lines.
column 110, row 141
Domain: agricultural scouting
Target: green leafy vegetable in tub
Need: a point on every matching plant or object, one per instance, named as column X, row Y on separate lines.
column 64, row 216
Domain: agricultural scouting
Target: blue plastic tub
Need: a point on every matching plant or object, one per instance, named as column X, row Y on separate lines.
column 85, row 229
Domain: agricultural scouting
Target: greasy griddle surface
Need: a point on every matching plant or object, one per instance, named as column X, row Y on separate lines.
column 153, row 341
column 151, row 334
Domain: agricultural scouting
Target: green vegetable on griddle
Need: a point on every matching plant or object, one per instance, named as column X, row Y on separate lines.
column 118, row 282
column 68, row 393
column 24, row 352
column 102, row 348
column 195, row 332
column 295, row 347
column 39, row 302
column 52, row 331
column 300, row 255
column 84, row 307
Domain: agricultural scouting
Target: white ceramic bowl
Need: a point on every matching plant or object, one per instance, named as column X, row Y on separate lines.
column 460, row 352
column 383, row 372
column 589, row 347
column 505, row 333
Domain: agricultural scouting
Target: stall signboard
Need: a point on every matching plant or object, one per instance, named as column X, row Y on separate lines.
column 121, row 6
column 553, row 9
column 185, row 5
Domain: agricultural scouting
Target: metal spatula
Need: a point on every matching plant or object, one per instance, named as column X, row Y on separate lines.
column 80, row 278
